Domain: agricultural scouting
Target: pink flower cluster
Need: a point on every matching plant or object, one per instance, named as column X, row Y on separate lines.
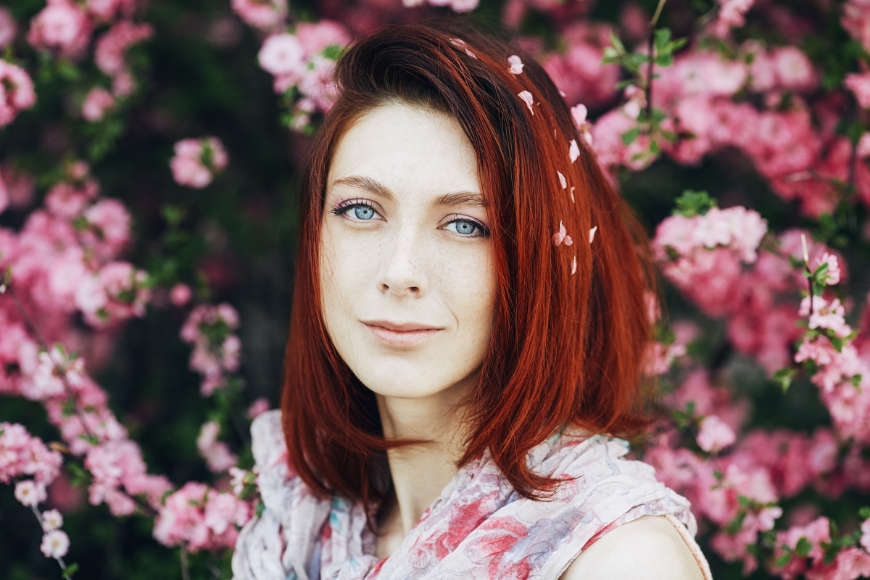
column 732, row 14
column 856, row 20
column 702, row 255
column 16, row 92
column 197, row 161
column 65, row 254
column 265, row 15
column 119, row 475
column 22, row 455
column 216, row 453
column 201, row 518
column 456, row 5
column 849, row 564
column 216, row 348
column 578, row 71
column 304, row 61
column 110, row 55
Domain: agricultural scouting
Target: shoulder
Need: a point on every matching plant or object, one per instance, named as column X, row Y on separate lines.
column 648, row 548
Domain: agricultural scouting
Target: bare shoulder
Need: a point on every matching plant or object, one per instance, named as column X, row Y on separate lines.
column 649, row 548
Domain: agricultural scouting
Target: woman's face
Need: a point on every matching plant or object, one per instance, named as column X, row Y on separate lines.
column 406, row 270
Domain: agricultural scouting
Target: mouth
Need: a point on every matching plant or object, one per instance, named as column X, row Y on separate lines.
column 401, row 334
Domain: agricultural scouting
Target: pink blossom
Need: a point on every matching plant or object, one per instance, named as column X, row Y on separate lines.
column 16, row 92
column 315, row 37
column 19, row 185
column 258, row 407
column 196, row 161
column 8, row 27
column 584, row 127
column 109, row 54
column 794, row 71
column 180, row 295
column 732, row 14
column 264, row 15
column 850, row 564
column 200, row 518
column 61, row 26
column 51, row 520
column 30, row 493
column 859, row 84
column 714, row 435
column 96, row 103
column 833, row 273
column 216, row 453
column 528, row 99
column 24, row 455
column 578, row 71
column 107, row 10
column 856, row 21
column 54, row 544
column 282, row 54
column 829, row 315
column 109, row 221
column 516, row 64
column 865, row 535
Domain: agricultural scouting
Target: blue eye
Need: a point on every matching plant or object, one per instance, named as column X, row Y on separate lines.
column 468, row 228
column 363, row 212
column 355, row 210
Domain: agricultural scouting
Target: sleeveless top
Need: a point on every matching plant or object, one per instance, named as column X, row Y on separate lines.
column 479, row 527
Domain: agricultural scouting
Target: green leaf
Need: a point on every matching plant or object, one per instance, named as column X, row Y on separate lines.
column 617, row 44
column 662, row 36
column 784, row 378
column 783, row 560
column 332, row 52
column 664, row 60
column 261, row 507
column 70, row 570
column 630, row 136
column 864, row 512
column 692, row 203
column 803, row 547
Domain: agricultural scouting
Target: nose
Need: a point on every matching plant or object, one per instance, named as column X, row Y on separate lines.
column 402, row 272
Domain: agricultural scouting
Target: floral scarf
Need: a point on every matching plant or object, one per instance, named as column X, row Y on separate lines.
column 478, row 528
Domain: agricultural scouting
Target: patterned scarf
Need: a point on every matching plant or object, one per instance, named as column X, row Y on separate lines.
column 478, row 528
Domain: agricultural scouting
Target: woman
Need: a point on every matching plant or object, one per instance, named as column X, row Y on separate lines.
column 468, row 325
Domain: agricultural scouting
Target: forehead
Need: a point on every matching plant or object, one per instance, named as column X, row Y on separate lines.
column 406, row 147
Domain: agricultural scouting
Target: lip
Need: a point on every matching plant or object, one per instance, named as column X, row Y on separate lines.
column 401, row 333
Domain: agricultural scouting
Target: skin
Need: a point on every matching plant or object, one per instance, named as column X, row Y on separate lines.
column 405, row 241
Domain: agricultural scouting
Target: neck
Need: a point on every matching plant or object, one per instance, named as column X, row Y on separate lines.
column 420, row 472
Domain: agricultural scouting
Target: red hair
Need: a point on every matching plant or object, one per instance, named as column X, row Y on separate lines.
column 567, row 340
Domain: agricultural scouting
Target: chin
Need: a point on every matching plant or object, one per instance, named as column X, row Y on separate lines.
column 411, row 382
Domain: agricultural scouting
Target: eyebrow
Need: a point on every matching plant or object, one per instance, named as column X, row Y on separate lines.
column 446, row 199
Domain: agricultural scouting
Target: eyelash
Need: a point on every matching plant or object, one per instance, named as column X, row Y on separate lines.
column 348, row 204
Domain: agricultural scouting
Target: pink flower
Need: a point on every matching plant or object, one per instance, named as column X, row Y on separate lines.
column 180, row 295
column 24, row 455
column 856, row 21
column 561, row 236
column 16, row 92
column 516, row 64
column 54, row 544
column 794, row 71
column 216, row 453
column 865, row 535
column 850, row 564
column 282, row 54
column 830, row 315
column 258, row 407
column 732, row 14
column 714, row 435
column 859, row 84
column 259, row 14
column 109, row 54
column 196, row 161
column 30, row 493
column 8, row 27
column 96, row 103
column 201, row 518
column 51, row 520
column 833, row 274
column 61, row 26
column 107, row 10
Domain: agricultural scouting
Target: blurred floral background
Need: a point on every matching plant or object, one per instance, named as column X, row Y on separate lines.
column 149, row 154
